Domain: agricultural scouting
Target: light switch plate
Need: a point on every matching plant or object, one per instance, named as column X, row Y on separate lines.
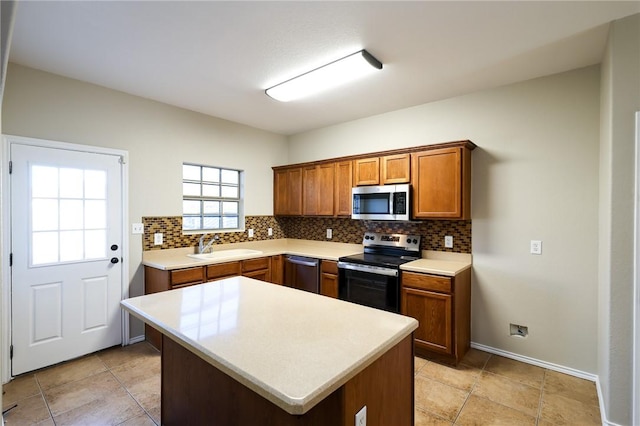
column 250, row 233
column 137, row 228
column 361, row 417
column 270, row 232
column 536, row 247
column 329, row 233
column 157, row 238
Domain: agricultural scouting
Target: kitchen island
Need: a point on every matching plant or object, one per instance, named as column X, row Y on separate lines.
column 241, row 351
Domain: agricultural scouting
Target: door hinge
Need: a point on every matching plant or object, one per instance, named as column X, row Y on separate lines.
column 10, row 167
column 11, row 352
column 121, row 160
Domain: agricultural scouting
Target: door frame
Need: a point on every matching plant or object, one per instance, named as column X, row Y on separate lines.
column 635, row 401
column 7, row 141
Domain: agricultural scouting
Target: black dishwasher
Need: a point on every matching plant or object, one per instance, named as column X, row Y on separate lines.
column 302, row 273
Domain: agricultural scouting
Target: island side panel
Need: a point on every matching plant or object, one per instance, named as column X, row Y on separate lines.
column 195, row 392
column 386, row 387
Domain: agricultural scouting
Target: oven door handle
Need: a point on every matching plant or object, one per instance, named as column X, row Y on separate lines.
column 368, row 268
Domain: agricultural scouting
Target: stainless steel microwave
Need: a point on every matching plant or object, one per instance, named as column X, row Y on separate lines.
column 384, row 202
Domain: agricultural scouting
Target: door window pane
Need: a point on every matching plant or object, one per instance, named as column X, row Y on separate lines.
column 44, row 215
column 71, row 214
column 44, row 248
column 95, row 184
column 71, row 182
column 95, row 216
column 44, row 182
column 95, row 244
column 71, row 246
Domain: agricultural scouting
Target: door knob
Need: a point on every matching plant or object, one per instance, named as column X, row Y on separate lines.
column 114, row 247
column 115, row 260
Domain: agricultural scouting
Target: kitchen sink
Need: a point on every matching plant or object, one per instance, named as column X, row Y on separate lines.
column 225, row 254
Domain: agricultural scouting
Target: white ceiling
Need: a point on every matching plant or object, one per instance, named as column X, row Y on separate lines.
column 217, row 58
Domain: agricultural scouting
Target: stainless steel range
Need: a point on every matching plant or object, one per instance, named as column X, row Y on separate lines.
column 372, row 278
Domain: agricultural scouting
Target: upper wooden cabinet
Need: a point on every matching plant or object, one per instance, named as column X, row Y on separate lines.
column 386, row 170
column 441, row 181
column 317, row 189
column 342, row 189
column 395, row 169
column 287, row 191
column 366, row 171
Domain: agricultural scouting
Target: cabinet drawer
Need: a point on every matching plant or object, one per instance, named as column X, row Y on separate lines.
column 255, row 264
column 186, row 276
column 329, row 267
column 223, row 270
column 427, row 282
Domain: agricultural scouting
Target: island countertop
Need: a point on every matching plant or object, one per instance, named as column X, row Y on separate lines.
column 292, row 347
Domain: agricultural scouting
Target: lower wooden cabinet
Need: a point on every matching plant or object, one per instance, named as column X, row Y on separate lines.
column 442, row 306
column 329, row 278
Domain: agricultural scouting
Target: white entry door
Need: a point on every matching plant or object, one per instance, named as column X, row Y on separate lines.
column 66, row 239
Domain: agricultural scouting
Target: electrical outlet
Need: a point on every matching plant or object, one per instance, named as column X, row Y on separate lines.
column 536, row 247
column 137, row 228
column 250, row 232
column 329, row 233
column 361, row 417
column 516, row 330
column 157, row 238
column 270, row 232
column 448, row 241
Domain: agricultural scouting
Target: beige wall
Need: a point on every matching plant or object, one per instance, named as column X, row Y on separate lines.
column 535, row 176
column 158, row 138
column 620, row 99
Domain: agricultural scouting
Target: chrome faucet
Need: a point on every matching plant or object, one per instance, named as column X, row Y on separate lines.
column 202, row 247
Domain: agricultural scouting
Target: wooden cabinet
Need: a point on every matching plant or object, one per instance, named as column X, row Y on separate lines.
column 386, row 170
column 287, row 191
column 395, row 169
column 442, row 306
column 366, row 171
column 219, row 271
column 342, row 188
column 329, row 278
column 318, row 189
column 441, row 181
column 277, row 269
column 259, row 268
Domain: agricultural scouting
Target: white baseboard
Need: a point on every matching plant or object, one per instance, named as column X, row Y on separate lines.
column 554, row 367
column 537, row 362
column 136, row 339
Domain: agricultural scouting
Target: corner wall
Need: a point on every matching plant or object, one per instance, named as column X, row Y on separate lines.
column 534, row 177
column 158, row 137
column 620, row 99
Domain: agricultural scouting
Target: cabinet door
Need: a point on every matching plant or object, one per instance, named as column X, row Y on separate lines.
column 326, row 177
column 342, row 191
column 433, row 312
column 263, row 275
column 395, row 169
column 437, row 177
column 367, row 171
column 277, row 269
column 310, row 191
column 329, row 278
column 287, row 192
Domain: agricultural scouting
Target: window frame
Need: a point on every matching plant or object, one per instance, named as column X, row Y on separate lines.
column 219, row 198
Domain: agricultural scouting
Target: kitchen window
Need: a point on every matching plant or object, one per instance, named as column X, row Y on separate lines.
column 211, row 198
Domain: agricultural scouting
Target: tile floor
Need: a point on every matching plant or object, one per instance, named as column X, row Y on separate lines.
column 121, row 386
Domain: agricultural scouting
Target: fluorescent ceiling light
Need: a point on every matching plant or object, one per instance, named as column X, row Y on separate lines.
column 327, row 76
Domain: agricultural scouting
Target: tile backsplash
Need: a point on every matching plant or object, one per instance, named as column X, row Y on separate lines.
column 344, row 230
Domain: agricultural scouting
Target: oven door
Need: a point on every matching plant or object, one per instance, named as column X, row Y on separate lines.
column 371, row 286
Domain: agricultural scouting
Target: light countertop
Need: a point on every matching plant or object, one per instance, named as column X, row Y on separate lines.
column 432, row 262
column 292, row 347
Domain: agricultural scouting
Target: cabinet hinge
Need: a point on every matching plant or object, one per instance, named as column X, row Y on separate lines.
column 11, row 352
column 10, row 167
